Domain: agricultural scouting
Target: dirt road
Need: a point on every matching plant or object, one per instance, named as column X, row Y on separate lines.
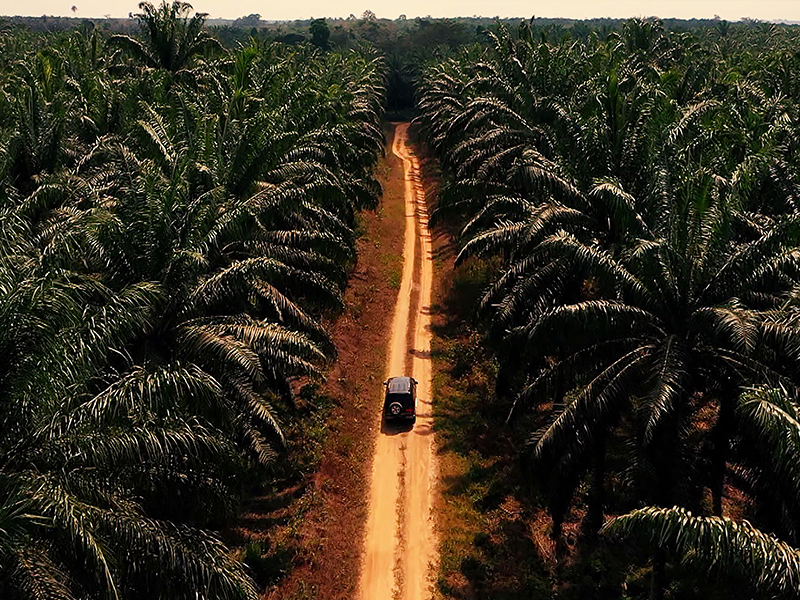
column 399, row 545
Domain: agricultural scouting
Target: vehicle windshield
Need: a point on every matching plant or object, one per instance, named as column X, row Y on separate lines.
column 400, row 385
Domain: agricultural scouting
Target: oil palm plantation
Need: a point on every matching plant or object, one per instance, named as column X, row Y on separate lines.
column 638, row 201
column 168, row 248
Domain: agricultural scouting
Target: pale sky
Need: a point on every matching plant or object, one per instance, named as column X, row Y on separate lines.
column 732, row 10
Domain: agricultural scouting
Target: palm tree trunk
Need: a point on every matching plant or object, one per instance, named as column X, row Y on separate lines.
column 558, row 507
column 658, row 578
column 719, row 457
column 558, row 536
column 596, row 510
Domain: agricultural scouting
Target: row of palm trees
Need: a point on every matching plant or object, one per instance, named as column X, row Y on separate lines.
column 175, row 221
column 641, row 195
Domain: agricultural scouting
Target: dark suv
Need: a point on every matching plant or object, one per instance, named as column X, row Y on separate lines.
column 401, row 399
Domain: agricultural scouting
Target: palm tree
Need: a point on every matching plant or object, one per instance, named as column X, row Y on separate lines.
column 172, row 40
column 767, row 451
column 734, row 552
column 531, row 110
column 38, row 139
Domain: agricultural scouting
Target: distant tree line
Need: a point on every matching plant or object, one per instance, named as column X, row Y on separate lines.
column 406, row 43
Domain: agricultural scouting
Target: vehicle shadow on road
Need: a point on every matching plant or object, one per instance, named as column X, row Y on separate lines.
column 395, row 428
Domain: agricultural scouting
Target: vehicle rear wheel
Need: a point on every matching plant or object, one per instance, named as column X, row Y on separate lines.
column 395, row 408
